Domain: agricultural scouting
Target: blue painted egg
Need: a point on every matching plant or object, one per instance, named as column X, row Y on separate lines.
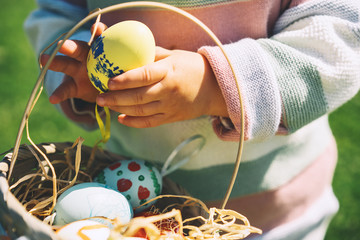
column 123, row 46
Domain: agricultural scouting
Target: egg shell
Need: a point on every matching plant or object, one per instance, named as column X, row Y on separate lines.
column 138, row 180
column 84, row 229
column 87, row 200
column 133, row 238
column 122, row 47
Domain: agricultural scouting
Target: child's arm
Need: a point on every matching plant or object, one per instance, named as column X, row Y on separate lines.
column 308, row 68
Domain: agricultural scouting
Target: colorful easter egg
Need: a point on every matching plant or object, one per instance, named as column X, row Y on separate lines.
column 87, row 200
column 122, row 47
column 168, row 226
column 138, row 180
column 84, row 229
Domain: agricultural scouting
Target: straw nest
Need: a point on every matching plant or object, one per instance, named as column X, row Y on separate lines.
column 44, row 171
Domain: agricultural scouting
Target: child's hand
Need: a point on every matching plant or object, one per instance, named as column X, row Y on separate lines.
column 76, row 83
column 179, row 85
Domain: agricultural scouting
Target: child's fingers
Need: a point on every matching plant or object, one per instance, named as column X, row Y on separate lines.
column 100, row 28
column 66, row 90
column 139, row 77
column 130, row 97
column 161, row 53
column 75, row 49
column 62, row 64
column 142, row 122
column 140, row 110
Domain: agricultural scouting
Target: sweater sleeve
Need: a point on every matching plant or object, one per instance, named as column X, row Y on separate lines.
column 308, row 68
column 43, row 26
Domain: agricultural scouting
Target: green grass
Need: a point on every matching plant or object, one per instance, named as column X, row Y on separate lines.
column 345, row 123
column 19, row 72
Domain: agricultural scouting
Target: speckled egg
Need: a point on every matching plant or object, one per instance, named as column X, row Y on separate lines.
column 84, row 229
column 94, row 199
column 138, row 180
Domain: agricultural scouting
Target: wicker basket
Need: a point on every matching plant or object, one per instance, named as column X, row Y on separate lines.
column 15, row 218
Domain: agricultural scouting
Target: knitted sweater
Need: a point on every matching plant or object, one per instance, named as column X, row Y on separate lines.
column 296, row 61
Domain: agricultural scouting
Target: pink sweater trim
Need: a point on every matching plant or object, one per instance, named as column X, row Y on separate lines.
column 295, row 3
column 226, row 129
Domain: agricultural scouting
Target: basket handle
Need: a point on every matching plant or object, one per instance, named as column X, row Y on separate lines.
column 167, row 168
column 123, row 6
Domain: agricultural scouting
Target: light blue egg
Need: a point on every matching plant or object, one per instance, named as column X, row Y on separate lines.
column 87, row 200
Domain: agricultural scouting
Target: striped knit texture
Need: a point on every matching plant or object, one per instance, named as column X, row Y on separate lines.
column 306, row 70
column 176, row 3
column 324, row 67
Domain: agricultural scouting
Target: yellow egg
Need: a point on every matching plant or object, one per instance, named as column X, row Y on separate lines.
column 123, row 46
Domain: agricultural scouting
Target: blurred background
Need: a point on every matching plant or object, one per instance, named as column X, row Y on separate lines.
column 19, row 72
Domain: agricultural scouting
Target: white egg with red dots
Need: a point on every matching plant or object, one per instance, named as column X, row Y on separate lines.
column 138, row 180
